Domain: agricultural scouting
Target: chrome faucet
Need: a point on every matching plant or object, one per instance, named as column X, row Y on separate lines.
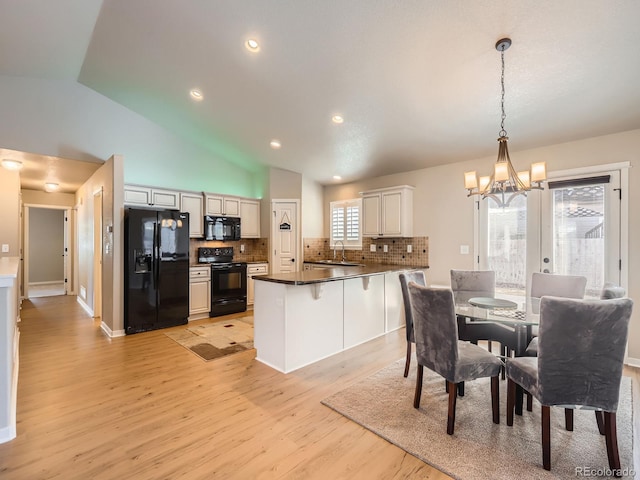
column 334, row 249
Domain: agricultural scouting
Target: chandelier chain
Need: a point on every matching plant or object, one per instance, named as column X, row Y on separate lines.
column 503, row 132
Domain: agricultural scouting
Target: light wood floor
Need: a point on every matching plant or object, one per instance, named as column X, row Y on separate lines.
column 143, row 407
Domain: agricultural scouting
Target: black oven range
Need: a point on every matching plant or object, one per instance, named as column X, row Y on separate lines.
column 228, row 280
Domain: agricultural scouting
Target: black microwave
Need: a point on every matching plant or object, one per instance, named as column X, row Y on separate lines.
column 221, row 228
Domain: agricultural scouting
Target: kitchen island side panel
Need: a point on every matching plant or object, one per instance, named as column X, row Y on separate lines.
column 313, row 324
column 363, row 309
column 268, row 324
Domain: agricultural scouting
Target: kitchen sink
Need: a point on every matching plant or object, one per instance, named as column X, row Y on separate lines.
column 342, row 263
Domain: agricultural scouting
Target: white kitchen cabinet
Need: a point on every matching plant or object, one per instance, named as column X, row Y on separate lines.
column 388, row 212
column 222, row 205
column 193, row 203
column 199, row 292
column 136, row 195
column 254, row 269
column 249, row 218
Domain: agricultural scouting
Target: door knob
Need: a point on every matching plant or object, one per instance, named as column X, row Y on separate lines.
column 293, row 260
column 545, row 260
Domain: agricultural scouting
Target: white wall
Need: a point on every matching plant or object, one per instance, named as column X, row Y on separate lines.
column 67, row 119
column 312, row 210
column 443, row 212
column 10, row 212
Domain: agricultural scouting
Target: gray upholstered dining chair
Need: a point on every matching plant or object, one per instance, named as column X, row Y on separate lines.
column 467, row 284
column 438, row 348
column 566, row 286
column 405, row 278
column 572, row 370
column 609, row 291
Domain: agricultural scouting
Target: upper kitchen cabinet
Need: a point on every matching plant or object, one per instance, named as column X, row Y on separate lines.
column 193, row 203
column 149, row 196
column 388, row 212
column 221, row 205
column 249, row 218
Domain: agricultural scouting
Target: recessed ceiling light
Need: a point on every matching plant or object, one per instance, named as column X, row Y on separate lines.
column 337, row 177
column 337, row 119
column 252, row 45
column 275, row 144
column 51, row 186
column 196, row 94
column 11, row 164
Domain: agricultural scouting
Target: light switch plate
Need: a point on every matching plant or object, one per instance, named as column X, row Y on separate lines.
column 372, row 248
column 385, row 248
column 409, row 249
column 464, row 249
column 5, row 248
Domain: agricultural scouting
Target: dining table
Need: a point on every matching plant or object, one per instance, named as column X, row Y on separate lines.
column 501, row 311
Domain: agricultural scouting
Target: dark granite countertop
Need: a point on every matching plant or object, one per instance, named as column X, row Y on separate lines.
column 307, row 277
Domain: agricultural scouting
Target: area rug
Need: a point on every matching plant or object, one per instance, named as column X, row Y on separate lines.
column 479, row 449
column 214, row 340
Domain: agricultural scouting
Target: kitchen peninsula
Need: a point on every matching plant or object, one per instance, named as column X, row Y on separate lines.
column 303, row 317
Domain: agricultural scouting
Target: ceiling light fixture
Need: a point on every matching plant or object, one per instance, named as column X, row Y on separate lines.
column 252, row 45
column 337, row 119
column 275, row 144
column 505, row 179
column 337, row 177
column 51, row 186
column 11, row 164
column 196, row 94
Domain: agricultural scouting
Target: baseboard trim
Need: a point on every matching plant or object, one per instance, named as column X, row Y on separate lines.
column 110, row 333
column 50, row 282
column 84, row 306
column 7, row 434
column 632, row 362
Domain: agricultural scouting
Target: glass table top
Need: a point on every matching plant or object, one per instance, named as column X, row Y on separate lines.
column 513, row 316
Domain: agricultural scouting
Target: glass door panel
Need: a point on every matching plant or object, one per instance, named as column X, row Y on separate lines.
column 503, row 244
column 581, row 230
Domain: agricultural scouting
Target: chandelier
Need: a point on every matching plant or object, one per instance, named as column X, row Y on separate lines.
column 505, row 183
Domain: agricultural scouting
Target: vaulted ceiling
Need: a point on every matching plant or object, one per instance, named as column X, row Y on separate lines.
column 417, row 82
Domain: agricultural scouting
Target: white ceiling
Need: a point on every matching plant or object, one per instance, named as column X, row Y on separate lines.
column 417, row 81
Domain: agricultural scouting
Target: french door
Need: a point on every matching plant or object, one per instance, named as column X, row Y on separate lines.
column 580, row 229
column 572, row 227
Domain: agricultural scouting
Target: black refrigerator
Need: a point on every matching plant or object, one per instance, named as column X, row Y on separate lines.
column 156, row 285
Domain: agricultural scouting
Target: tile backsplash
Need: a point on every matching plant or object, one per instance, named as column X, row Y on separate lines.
column 318, row 249
column 255, row 249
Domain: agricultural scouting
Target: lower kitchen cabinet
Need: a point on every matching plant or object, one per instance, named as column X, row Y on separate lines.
column 254, row 269
column 199, row 292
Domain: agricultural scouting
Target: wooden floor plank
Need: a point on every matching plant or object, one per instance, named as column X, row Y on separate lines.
column 144, row 407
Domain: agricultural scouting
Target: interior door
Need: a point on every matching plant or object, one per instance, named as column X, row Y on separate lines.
column 580, row 229
column 284, row 235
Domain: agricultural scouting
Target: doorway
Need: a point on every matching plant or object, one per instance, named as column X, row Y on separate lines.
column 285, row 236
column 46, row 251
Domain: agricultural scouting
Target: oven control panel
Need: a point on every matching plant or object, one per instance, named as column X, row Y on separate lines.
column 215, row 254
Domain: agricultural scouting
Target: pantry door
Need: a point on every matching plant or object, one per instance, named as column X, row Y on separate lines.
column 285, row 236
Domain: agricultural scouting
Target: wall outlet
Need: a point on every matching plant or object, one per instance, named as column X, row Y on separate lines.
column 372, row 248
column 241, row 248
column 5, row 248
column 385, row 248
column 409, row 249
column 464, row 249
